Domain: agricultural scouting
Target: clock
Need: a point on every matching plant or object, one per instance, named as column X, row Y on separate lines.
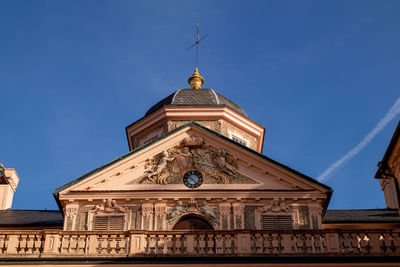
column 193, row 179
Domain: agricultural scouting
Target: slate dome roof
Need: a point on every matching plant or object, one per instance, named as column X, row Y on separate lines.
column 196, row 97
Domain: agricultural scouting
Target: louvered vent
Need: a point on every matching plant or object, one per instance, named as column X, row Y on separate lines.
column 109, row 223
column 279, row 222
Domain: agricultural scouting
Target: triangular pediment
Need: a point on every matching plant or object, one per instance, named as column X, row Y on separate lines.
column 221, row 164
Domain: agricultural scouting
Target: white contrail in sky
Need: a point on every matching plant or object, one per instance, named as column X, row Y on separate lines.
column 394, row 110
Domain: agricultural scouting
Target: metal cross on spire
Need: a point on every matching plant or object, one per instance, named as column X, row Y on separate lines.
column 196, row 42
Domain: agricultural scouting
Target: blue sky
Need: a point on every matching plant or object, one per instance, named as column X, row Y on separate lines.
column 318, row 75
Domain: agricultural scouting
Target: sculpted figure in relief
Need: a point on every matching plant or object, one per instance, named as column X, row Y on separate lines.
column 225, row 164
column 175, row 212
column 109, row 206
column 277, row 205
column 208, row 212
column 157, row 169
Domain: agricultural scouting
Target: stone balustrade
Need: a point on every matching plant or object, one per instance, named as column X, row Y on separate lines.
column 57, row 243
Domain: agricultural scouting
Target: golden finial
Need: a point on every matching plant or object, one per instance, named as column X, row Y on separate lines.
column 196, row 81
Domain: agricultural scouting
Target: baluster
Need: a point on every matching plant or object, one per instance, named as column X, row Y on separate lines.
column 158, row 244
column 103, row 244
column 364, row 243
column 354, row 242
column 374, row 243
column 210, row 244
column 307, row 243
column 152, row 244
column 29, row 244
column 74, row 244
column 39, row 244
column 396, row 242
column 81, row 244
column 163, row 244
column 317, row 243
column 170, row 244
column 22, row 244
column 387, row 243
column 267, row 246
column 346, row 242
column 275, row 243
column 178, row 244
column 228, row 244
column 122, row 240
column 300, row 243
column 202, row 243
column 112, row 244
column 219, row 246
column 64, row 244
column 287, row 243
column 257, row 243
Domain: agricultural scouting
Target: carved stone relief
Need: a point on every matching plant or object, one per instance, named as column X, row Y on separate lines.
column 108, row 206
column 191, row 208
column 276, row 205
column 169, row 166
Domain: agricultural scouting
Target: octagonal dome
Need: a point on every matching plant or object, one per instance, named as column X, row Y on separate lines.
column 196, row 97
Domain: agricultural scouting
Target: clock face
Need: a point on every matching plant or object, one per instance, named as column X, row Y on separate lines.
column 193, row 179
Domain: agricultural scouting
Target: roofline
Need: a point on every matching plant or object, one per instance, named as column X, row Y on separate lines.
column 192, row 105
column 59, row 189
column 382, row 166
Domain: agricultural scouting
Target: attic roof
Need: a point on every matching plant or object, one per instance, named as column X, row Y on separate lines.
column 361, row 216
column 30, row 218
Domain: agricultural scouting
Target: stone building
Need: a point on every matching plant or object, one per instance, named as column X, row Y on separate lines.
column 195, row 189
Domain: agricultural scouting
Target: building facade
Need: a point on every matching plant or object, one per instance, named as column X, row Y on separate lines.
column 195, row 189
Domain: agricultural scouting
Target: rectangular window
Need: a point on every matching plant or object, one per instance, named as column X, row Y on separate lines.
column 277, row 222
column 113, row 222
column 238, row 140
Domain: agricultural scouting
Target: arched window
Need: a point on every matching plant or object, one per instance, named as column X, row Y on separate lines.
column 192, row 223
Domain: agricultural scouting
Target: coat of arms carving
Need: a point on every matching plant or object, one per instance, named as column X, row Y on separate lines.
column 191, row 153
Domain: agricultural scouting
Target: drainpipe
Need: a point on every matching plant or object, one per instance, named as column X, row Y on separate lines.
column 384, row 175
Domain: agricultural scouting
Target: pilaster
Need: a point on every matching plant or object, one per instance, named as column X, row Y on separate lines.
column 225, row 218
column 161, row 216
column 238, row 215
column 71, row 211
column 147, row 216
